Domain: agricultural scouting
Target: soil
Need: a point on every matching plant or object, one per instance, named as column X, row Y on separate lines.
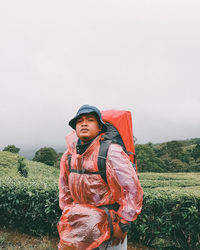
column 13, row 240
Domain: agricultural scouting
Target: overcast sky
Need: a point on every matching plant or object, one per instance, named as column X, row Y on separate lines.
column 142, row 56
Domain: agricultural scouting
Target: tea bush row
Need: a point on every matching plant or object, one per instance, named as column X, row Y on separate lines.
column 170, row 219
column 175, row 180
column 29, row 206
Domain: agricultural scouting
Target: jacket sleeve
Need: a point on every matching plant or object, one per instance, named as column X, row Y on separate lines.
column 64, row 192
column 124, row 183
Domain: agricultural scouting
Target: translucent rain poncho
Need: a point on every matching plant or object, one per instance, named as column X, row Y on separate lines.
column 83, row 225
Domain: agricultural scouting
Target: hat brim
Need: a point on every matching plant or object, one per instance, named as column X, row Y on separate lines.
column 72, row 123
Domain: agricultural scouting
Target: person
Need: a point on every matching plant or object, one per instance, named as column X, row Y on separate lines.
column 82, row 193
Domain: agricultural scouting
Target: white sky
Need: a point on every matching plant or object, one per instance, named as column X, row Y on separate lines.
column 142, row 56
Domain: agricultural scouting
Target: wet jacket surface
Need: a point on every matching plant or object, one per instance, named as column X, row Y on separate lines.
column 83, row 225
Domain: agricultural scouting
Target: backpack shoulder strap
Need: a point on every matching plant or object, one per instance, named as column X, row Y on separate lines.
column 69, row 157
column 103, row 151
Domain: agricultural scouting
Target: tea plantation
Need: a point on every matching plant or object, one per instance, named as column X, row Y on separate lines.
column 170, row 218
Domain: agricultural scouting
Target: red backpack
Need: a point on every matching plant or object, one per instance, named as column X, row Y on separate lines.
column 119, row 131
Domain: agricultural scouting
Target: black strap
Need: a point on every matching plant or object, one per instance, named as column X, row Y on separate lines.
column 115, row 206
column 69, row 157
column 79, row 171
column 103, row 151
column 109, row 220
column 106, row 208
column 124, row 227
column 83, row 171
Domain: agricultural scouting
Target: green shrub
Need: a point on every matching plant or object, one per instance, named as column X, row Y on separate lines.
column 22, row 167
column 168, row 220
column 171, row 211
column 30, row 205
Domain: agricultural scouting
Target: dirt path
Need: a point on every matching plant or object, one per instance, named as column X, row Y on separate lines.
column 12, row 240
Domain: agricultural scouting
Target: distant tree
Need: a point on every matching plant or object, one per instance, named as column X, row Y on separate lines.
column 160, row 151
column 147, row 160
column 196, row 152
column 12, row 149
column 46, row 155
column 185, row 156
column 177, row 165
column 174, row 149
column 194, row 165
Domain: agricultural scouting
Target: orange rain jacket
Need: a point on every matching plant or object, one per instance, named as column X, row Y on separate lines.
column 83, row 225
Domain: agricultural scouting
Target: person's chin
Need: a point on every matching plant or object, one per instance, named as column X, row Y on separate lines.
column 84, row 134
column 84, row 137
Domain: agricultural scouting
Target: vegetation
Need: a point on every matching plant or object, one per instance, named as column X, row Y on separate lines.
column 171, row 211
column 196, row 152
column 171, row 207
column 22, row 167
column 46, row 155
column 12, row 149
column 147, row 159
column 172, row 156
column 29, row 204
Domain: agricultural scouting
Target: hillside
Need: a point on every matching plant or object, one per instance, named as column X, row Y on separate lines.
column 9, row 165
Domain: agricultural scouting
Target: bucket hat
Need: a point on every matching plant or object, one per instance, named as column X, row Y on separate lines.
column 87, row 109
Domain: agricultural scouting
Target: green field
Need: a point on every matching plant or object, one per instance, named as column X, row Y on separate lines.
column 174, row 183
column 170, row 215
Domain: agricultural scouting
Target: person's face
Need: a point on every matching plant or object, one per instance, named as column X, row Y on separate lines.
column 87, row 127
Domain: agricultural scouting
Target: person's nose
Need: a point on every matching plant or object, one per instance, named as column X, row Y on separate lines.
column 84, row 123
